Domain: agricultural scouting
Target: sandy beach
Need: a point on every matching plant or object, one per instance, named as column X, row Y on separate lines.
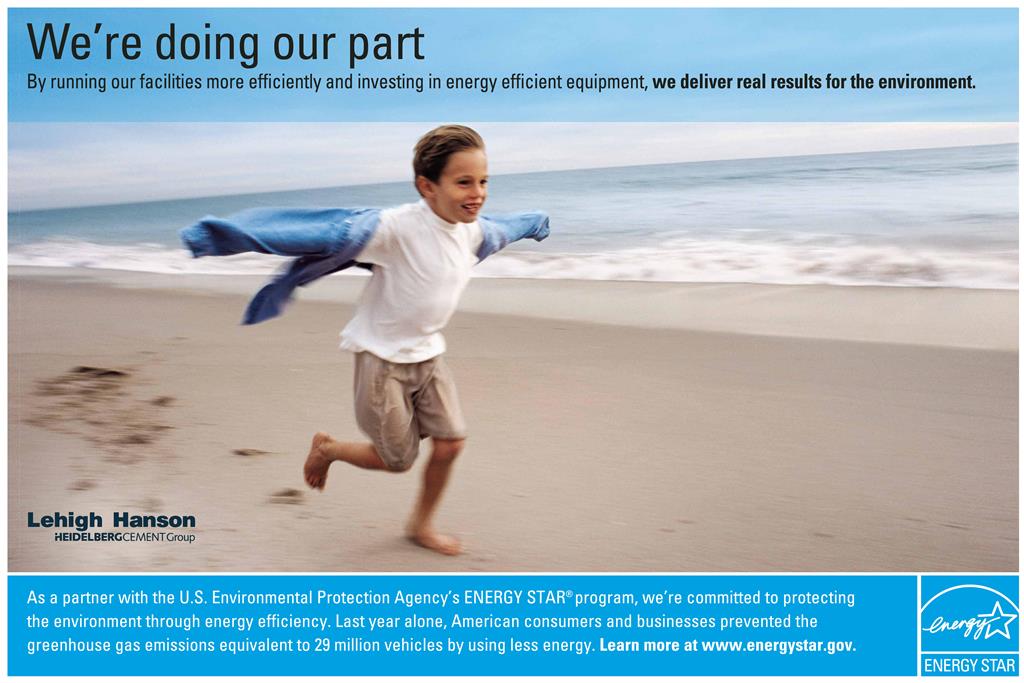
column 614, row 427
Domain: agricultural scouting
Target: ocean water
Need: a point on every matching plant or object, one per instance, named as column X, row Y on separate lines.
column 939, row 217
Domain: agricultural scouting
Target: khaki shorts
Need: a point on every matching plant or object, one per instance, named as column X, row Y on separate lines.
column 397, row 404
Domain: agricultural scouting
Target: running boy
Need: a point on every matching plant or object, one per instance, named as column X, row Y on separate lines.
column 421, row 254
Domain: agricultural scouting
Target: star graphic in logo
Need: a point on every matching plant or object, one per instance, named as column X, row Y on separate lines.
column 996, row 616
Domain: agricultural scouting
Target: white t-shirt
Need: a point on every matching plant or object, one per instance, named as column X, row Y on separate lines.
column 421, row 265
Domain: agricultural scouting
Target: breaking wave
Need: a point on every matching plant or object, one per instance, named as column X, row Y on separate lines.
column 678, row 260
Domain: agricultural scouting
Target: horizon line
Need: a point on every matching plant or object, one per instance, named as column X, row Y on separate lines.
column 502, row 175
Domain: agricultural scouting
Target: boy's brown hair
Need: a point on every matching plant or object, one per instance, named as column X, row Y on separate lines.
column 433, row 149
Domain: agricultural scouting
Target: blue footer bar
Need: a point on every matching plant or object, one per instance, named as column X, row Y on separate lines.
column 462, row 625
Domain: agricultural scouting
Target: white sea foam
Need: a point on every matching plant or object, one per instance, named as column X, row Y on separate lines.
column 147, row 258
column 676, row 260
column 711, row 261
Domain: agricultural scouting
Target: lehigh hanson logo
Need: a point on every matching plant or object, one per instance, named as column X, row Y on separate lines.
column 970, row 625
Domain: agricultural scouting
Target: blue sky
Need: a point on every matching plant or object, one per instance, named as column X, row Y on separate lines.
column 498, row 42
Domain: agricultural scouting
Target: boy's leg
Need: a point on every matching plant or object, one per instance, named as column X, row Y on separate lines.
column 440, row 415
column 395, row 427
column 326, row 450
column 435, row 477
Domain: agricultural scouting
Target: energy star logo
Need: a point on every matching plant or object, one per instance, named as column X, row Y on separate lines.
column 970, row 625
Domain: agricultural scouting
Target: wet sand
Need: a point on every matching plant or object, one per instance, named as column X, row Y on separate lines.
column 614, row 427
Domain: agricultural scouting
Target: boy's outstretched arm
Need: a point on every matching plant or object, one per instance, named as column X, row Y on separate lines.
column 500, row 231
column 325, row 240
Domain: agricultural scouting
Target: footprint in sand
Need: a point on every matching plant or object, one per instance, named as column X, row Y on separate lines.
column 249, row 452
column 98, row 372
column 97, row 403
column 287, row 497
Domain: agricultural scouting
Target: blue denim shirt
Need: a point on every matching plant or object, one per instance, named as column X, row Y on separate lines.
column 325, row 241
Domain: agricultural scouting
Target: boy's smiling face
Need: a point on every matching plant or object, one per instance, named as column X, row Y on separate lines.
column 459, row 194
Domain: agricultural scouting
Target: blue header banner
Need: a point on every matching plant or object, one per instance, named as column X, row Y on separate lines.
column 187, row 64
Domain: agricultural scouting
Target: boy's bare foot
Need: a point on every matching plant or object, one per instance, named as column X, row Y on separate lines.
column 315, row 469
column 431, row 540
